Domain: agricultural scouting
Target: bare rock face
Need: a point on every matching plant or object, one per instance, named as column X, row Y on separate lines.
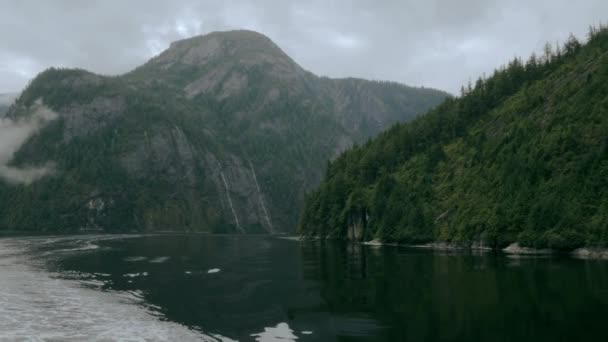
column 229, row 180
column 84, row 120
column 225, row 59
column 186, row 52
column 207, row 83
column 220, row 81
column 233, row 85
column 590, row 253
column 199, row 53
column 515, row 248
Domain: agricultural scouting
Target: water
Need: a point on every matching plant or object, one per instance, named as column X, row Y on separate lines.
column 238, row 288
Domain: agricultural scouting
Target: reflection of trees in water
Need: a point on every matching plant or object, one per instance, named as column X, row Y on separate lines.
column 422, row 295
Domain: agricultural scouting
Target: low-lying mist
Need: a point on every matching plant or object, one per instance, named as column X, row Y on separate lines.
column 13, row 134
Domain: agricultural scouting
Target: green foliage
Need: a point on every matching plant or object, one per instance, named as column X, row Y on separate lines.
column 521, row 156
column 287, row 139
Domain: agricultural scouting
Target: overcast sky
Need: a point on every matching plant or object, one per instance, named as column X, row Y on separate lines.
column 432, row 43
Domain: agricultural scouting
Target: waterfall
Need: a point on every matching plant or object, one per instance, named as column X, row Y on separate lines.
column 236, row 219
column 255, row 179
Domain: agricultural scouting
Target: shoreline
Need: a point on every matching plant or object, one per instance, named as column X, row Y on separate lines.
column 442, row 246
column 514, row 249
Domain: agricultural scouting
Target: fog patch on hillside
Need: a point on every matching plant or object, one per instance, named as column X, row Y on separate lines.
column 13, row 134
column 8, row 98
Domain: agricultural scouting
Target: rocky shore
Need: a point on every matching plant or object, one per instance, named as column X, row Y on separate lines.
column 513, row 249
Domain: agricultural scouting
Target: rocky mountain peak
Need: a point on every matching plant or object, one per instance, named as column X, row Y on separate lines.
column 243, row 46
column 222, row 64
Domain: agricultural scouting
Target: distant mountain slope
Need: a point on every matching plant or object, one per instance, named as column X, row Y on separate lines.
column 521, row 157
column 222, row 132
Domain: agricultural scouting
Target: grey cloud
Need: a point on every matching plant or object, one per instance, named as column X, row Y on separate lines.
column 13, row 133
column 435, row 43
column 7, row 99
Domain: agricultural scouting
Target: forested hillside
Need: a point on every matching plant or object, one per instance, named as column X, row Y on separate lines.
column 521, row 156
column 218, row 133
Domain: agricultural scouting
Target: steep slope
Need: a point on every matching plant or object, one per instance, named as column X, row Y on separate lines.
column 222, row 132
column 520, row 157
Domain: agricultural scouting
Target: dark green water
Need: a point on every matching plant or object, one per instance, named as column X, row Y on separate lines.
column 346, row 292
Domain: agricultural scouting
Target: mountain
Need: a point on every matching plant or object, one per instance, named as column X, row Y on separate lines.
column 521, row 157
column 220, row 133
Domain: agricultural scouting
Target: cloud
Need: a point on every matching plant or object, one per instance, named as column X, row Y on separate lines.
column 435, row 43
column 7, row 99
column 13, row 134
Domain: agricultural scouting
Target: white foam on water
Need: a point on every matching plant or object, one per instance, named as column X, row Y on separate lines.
column 221, row 338
column 306, row 332
column 159, row 260
column 135, row 258
column 213, row 270
column 281, row 333
column 134, row 275
column 88, row 246
column 93, row 283
column 37, row 305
